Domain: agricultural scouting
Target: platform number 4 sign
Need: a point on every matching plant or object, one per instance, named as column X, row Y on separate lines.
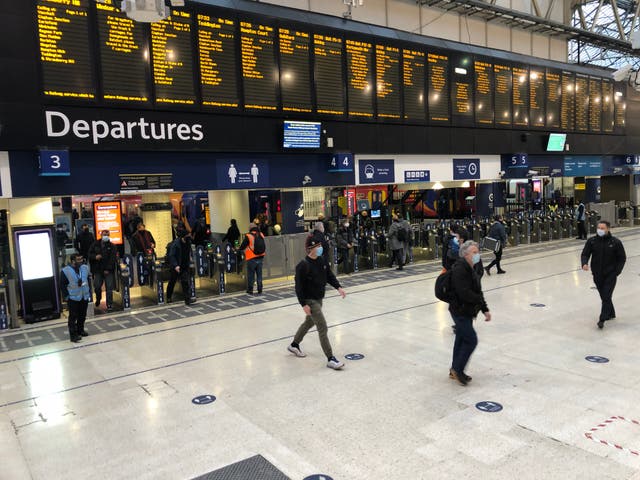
column 341, row 162
column 54, row 163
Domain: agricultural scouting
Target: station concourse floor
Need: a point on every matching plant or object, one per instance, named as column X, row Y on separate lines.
column 119, row 405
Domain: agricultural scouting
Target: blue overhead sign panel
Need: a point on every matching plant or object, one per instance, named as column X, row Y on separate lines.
column 376, row 171
column 301, row 134
column 54, row 163
column 582, row 166
column 234, row 173
column 466, row 169
column 341, row 162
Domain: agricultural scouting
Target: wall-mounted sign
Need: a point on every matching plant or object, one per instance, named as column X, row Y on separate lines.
column 234, row 173
column 341, row 162
column 582, row 166
column 411, row 176
column 376, row 171
column 108, row 217
column 54, row 163
column 466, row 168
column 146, row 183
column 519, row 160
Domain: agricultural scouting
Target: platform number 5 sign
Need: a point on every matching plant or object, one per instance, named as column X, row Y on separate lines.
column 54, row 163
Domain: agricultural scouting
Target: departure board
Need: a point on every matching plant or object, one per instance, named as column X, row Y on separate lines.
column 388, row 81
column 620, row 106
column 65, row 56
column 295, row 75
column 258, row 66
column 360, row 78
column 595, row 105
column 520, row 96
column 484, row 92
column 554, row 95
column 536, row 97
column 582, row 103
column 608, row 113
column 329, row 77
column 124, row 55
column 503, row 86
column 438, row 88
column 567, row 102
column 216, row 60
column 413, row 76
column 173, row 59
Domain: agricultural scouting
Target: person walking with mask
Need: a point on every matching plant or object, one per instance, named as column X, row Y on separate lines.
column 74, row 283
column 397, row 238
column 179, row 259
column 497, row 232
column 607, row 261
column 84, row 240
column 581, row 216
column 312, row 276
column 102, row 258
column 466, row 302
column 344, row 240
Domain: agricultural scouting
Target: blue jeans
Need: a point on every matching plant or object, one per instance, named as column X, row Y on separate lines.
column 465, row 343
column 254, row 271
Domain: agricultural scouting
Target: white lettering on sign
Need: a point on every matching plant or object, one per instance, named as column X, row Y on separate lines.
column 60, row 125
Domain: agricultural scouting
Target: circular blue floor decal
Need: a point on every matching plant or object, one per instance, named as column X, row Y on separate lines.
column 491, row 407
column 203, row 399
column 596, row 359
column 354, row 356
column 318, row 476
column 537, row 304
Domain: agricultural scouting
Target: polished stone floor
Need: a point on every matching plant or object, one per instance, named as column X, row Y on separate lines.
column 120, row 405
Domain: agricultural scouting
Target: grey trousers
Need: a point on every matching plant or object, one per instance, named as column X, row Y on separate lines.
column 316, row 318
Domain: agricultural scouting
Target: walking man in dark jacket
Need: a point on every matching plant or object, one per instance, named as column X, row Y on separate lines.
column 179, row 259
column 607, row 261
column 497, row 232
column 102, row 258
column 84, row 240
column 312, row 276
column 581, row 217
column 467, row 301
column 345, row 243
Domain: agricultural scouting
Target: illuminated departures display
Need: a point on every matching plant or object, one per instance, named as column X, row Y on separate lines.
column 360, row 78
column 413, row 78
column 259, row 72
column 295, row 76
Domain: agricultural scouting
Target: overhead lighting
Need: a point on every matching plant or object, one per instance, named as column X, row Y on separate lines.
column 437, row 186
column 466, row 184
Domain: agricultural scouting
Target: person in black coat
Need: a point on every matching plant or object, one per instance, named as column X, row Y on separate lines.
column 344, row 239
column 319, row 235
column 467, row 302
column 233, row 233
column 84, row 240
column 179, row 260
column 497, row 232
column 607, row 261
column 102, row 258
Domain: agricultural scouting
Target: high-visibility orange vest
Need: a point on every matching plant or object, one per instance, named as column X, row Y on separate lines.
column 248, row 253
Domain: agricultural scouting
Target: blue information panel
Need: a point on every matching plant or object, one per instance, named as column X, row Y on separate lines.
column 54, row 163
column 466, row 169
column 411, row 176
column 301, row 134
column 519, row 160
column 242, row 173
column 376, row 171
column 341, row 162
column 582, row 166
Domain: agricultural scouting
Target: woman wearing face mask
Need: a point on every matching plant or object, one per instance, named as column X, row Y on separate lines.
column 467, row 302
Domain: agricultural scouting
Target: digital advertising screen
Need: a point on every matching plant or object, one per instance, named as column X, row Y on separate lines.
column 108, row 216
column 556, row 142
column 35, row 255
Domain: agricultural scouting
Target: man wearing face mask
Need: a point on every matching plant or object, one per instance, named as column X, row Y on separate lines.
column 74, row 283
column 84, row 240
column 312, row 276
column 102, row 258
column 344, row 240
column 179, row 259
column 466, row 303
column 607, row 261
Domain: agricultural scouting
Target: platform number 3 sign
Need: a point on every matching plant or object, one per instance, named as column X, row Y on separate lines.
column 54, row 163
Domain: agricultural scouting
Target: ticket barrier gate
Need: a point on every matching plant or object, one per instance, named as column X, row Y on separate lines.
column 513, row 236
column 592, row 222
column 234, row 269
column 524, row 231
column 535, row 230
column 123, row 283
column 556, row 222
column 545, row 229
column 476, row 233
column 150, row 285
column 162, row 274
column 567, row 225
column 207, row 281
column 370, row 251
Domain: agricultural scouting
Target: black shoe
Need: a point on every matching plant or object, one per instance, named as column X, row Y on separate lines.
column 249, row 292
column 76, row 339
column 259, row 292
column 168, row 300
column 84, row 333
column 189, row 302
column 399, row 268
column 97, row 303
column 488, row 270
column 109, row 309
column 460, row 378
column 501, row 271
column 612, row 317
column 601, row 324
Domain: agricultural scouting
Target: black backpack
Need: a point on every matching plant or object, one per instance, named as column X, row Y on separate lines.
column 168, row 252
column 402, row 234
column 259, row 246
column 444, row 287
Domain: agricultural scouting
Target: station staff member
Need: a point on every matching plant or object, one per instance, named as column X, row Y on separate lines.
column 74, row 283
column 254, row 251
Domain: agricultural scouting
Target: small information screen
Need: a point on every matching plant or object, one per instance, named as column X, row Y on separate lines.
column 582, row 103
column 568, row 109
column 536, row 98
column 124, row 55
column 295, row 76
column 520, row 96
column 301, row 134
column 554, row 95
column 258, row 66
column 327, row 52
column 484, row 92
column 65, row 55
column 216, row 58
column 595, row 105
column 413, row 77
column 438, row 88
column 503, row 84
column 388, row 81
column 173, row 59
column 360, row 78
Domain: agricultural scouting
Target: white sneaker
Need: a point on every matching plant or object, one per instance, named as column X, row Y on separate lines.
column 335, row 364
column 296, row 351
